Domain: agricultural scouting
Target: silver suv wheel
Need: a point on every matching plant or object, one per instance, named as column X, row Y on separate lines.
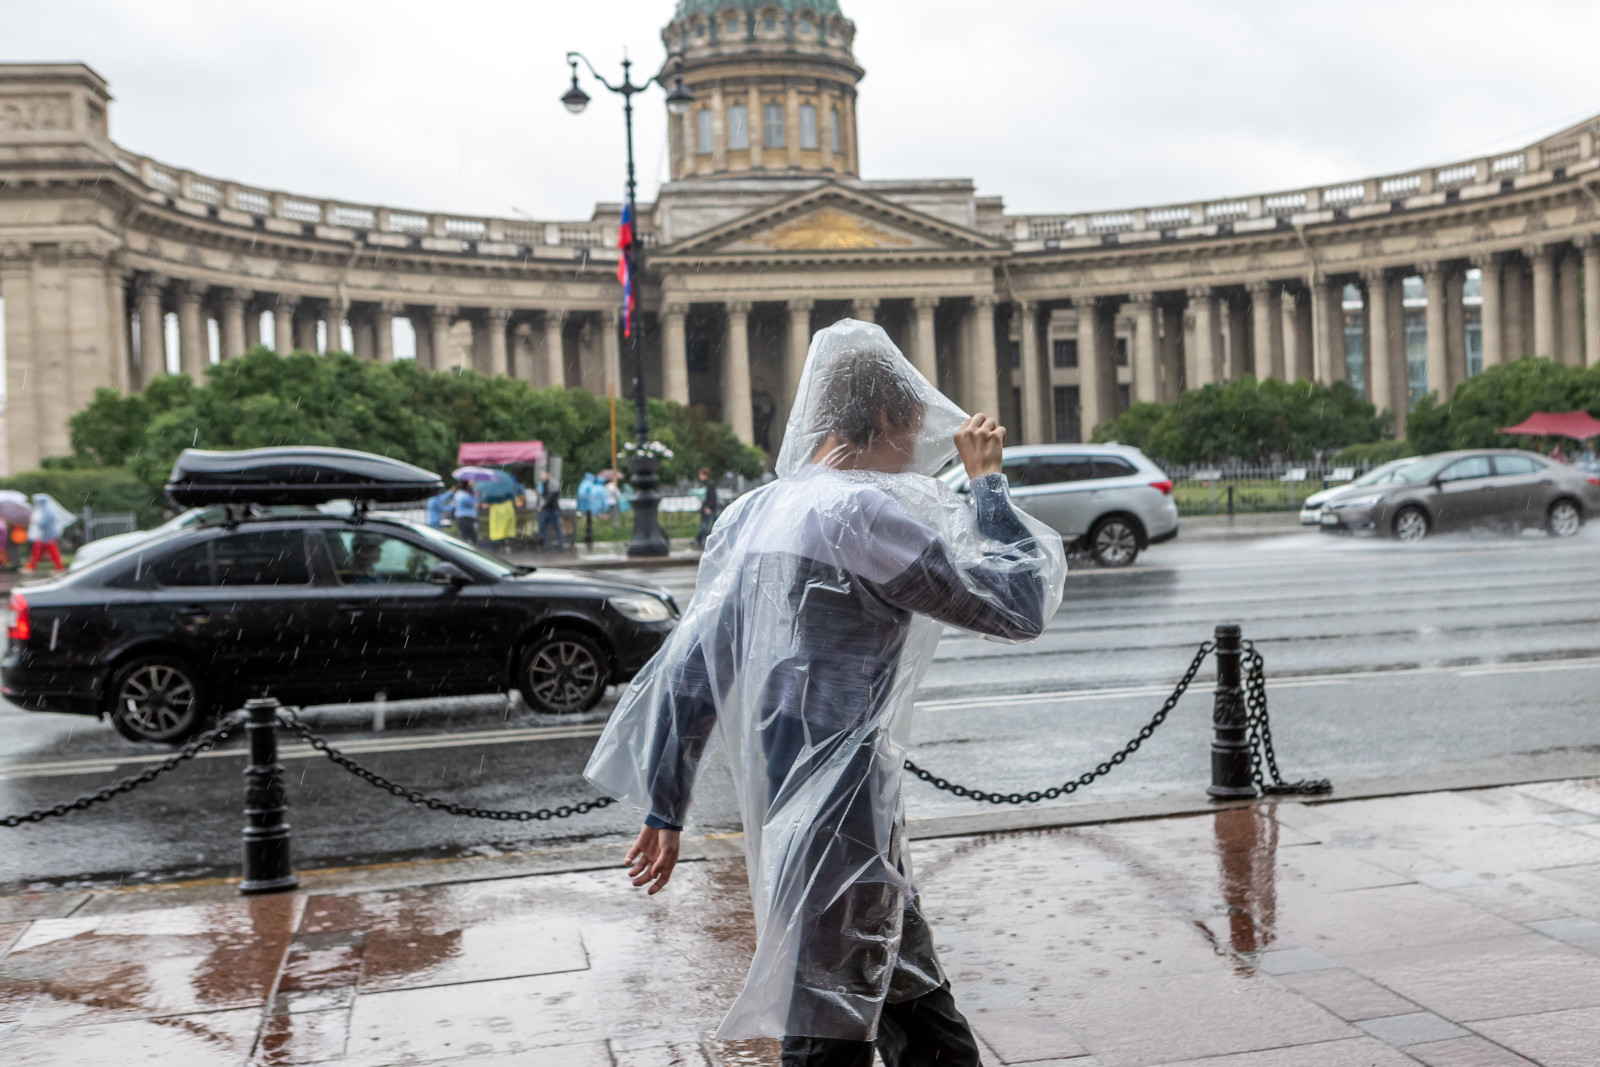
column 1564, row 519
column 1114, row 542
column 1411, row 525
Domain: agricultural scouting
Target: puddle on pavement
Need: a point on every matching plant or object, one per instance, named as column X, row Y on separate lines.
column 1247, row 858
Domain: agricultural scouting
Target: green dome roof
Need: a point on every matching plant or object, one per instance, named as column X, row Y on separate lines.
column 711, row 7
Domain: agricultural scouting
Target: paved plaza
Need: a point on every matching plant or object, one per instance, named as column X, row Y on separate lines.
column 1453, row 929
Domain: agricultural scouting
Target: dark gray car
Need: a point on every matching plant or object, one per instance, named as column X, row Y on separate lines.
column 1477, row 488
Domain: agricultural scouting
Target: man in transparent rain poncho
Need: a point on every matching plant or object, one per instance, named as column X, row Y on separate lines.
column 822, row 596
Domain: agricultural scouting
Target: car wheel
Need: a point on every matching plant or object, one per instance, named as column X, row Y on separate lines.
column 564, row 673
column 1563, row 519
column 158, row 699
column 1114, row 542
column 1411, row 524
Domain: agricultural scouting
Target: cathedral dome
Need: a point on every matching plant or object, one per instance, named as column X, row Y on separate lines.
column 774, row 84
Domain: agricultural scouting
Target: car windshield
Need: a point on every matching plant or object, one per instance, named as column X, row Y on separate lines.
column 482, row 560
column 1423, row 469
column 1386, row 473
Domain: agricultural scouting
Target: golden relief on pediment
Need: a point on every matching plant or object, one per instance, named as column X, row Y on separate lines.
column 830, row 229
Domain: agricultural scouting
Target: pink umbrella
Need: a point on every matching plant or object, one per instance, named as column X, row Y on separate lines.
column 474, row 474
column 15, row 507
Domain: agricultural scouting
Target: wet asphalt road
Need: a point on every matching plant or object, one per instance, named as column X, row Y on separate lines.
column 1382, row 660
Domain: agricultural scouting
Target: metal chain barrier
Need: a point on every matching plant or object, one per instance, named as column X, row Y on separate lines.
column 197, row 744
column 1261, row 750
column 292, row 721
column 1072, row 786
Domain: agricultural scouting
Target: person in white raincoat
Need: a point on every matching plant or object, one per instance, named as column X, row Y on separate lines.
column 822, row 596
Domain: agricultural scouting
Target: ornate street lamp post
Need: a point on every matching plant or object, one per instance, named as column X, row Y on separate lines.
column 644, row 469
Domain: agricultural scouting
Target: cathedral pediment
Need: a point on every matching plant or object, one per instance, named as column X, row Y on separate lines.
column 827, row 222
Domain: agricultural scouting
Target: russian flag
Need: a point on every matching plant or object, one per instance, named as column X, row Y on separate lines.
column 625, row 276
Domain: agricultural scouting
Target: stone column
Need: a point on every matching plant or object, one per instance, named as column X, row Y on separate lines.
column 439, row 323
column 791, row 123
column 305, row 327
column 1097, row 378
column 1544, row 302
column 152, row 329
column 1590, row 244
column 864, row 309
column 252, row 324
column 1205, row 363
column 611, row 350
column 1267, row 326
column 498, row 319
column 799, row 344
column 231, row 303
column 1033, row 377
column 383, row 329
column 719, row 131
column 737, row 411
column 984, row 394
column 1381, row 389
column 1571, row 322
column 1146, row 375
column 925, row 353
column 1455, row 325
column 1241, row 356
column 674, row 353
column 1493, row 311
column 1172, row 381
column 756, row 124
column 1514, row 301
column 333, row 314
column 193, row 344
column 283, row 309
column 1438, row 355
column 555, row 349
column 1327, row 331
column 119, row 320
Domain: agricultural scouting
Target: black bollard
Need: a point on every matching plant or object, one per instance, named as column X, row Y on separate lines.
column 1230, row 743
column 267, row 867
column 588, row 530
column 1230, row 502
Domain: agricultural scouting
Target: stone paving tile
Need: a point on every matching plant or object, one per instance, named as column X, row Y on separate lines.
column 1411, row 1029
column 39, row 906
column 508, row 1015
column 1466, row 1052
column 1581, row 794
column 212, row 1039
column 1585, row 877
column 1574, row 930
column 1526, row 847
column 307, row 1037
column 1347, row 994
column 1551, row 1039
column 100, row 968
column 1292, row 961
column 687, row 1054
column 1359, row 1052
column 1489, row 978
column 1024, row 1035
column 9, row 932
column 1389, row 917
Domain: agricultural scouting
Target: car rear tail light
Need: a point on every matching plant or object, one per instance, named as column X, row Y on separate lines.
column 1165, row 486
column 1594, row 479
column 20, row 625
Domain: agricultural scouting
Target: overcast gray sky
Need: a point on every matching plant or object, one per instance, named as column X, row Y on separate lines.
column 1055, row 105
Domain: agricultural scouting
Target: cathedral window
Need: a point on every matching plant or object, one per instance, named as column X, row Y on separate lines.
column 808, row 126
column 772, row 116
column 703, row 132
column 833, row 131
column 738, row 127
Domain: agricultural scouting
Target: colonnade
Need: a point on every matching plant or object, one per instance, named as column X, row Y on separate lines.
column 578, row 346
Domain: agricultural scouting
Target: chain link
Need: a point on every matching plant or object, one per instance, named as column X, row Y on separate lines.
column 197, row 744
column 1073, row 785
column 1261, row 750
column 304, row 732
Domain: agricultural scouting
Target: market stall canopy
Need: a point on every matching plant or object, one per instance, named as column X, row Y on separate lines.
column 300, row 474
column 1578, row 425
column 500, row 453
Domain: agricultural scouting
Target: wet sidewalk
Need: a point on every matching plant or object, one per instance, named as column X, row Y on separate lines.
column 1453, row 929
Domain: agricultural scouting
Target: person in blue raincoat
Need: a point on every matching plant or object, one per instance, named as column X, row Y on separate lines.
column 45, row 527
column 439, row 508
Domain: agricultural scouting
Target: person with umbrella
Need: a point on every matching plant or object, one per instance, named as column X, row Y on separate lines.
column 45, row 526
column 464, row 508
column 15, row 510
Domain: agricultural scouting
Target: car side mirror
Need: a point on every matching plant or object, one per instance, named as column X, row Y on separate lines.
column 449, row 574
column 1436, row 481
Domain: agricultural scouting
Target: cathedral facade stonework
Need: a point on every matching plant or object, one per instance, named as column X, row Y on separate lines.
column 1404, row 283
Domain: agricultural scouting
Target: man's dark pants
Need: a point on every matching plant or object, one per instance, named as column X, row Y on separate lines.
column 924, row 1032
column 467, row 528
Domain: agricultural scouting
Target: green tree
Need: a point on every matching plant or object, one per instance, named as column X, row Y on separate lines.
column 1249, row 420
column 1500, row 396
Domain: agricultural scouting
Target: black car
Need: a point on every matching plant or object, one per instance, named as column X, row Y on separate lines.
column 313, row 608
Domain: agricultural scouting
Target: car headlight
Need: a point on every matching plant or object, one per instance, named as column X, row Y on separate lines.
column 641, row 608
column 1359, row 502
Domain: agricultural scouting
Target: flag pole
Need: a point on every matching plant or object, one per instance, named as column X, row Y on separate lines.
column 611, row 392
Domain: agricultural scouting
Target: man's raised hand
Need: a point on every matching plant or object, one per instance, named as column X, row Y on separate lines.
column 980, row 442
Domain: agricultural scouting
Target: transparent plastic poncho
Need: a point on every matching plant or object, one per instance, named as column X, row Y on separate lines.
column 821, row 598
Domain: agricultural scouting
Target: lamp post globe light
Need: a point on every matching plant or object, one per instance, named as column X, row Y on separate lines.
column 644, row 467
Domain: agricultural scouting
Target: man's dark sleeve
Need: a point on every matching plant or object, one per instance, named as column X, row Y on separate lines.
column 683, row 728
column 1001, row 595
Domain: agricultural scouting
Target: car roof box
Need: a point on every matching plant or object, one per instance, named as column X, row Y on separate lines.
column 296, row 474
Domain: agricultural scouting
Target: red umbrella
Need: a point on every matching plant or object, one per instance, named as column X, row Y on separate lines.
column 1578, row 425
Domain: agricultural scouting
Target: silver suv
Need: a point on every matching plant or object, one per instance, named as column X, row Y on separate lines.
column 1109, row 501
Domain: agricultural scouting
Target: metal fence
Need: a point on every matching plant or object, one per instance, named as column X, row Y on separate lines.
column 1226, row 490
column 104, row 524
